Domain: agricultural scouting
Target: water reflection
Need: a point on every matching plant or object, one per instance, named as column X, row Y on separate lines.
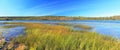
column 104, row 27
column 9, row 33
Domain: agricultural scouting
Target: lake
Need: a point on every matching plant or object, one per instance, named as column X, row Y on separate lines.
column 105, row 27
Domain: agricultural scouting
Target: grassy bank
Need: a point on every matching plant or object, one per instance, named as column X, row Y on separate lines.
column 48, row 37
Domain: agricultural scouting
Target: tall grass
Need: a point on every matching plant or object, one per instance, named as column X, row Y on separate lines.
column 47, row 37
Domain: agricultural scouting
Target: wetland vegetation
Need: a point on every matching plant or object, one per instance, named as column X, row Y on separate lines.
column 39, row 36
column 57, row 36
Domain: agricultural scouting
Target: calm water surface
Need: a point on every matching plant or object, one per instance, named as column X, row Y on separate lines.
column 105, row 27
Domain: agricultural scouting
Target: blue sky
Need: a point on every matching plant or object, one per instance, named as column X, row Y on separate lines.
column 88, row 8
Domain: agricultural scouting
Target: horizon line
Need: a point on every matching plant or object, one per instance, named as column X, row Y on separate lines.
column 56, row 15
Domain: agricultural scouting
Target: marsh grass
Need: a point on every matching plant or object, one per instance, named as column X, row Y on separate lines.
column 84, row 27
column 9, row 26
column 47, row 37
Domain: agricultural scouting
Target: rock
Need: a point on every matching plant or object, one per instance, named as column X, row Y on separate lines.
column 14, row 46
column 2, row 42
column 21, row 47
column 10, row 46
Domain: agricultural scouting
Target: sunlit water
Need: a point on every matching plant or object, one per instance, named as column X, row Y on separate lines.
column 105, row 27
column 9, row 33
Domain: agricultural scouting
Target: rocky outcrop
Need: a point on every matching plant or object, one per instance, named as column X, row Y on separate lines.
column 14, row 46
column 20, row 47
column 2, row 42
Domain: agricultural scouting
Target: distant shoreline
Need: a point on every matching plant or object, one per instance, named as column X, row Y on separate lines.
column 58, row 18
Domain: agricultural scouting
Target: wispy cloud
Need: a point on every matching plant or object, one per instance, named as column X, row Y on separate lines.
column 59, row 7
column 43, row 9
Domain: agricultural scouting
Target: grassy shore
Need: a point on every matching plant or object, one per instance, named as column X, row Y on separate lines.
column 47, row 37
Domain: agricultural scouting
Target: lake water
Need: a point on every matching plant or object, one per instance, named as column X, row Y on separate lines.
column 105, row 27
